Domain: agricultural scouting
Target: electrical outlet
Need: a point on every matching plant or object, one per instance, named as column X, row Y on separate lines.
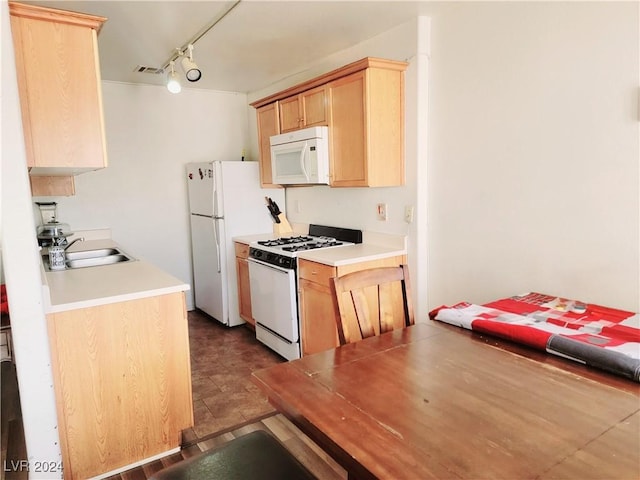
column 408, row 213
column 382, row 212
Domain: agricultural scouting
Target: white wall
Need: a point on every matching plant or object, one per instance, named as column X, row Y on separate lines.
column 533, row 172
column 142, row 195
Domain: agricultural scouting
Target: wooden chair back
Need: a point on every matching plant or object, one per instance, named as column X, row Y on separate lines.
column 370, row 302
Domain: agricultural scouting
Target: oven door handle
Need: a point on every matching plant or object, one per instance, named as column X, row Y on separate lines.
column 265, row 264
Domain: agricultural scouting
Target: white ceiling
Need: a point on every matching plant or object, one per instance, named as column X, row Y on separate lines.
column 256, row 44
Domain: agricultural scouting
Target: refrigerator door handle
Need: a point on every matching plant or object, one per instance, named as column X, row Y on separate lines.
column 216, row 177
column 216, row 236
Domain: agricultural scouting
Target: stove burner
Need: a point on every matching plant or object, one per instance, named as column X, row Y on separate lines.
column 312, row 245
column 269, row 243
column 284, row 241
column 283, row 251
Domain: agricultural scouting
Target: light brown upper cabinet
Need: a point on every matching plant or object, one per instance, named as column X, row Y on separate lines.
column 58, row 71
column 268, row 125
column 307, row 109
column 363, row 105
column 367, row 129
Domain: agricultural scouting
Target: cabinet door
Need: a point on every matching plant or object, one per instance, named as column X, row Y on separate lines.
column 313, row 104
column 122, row 379
column 385, row 124
column 244, row 291
column 267, row 126
column 307, row 109
column 59, row 86
column 52, row 186
column 317, row 317
column 290, row 116
column 347, row 106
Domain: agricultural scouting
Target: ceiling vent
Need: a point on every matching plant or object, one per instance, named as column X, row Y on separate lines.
column 143, row 69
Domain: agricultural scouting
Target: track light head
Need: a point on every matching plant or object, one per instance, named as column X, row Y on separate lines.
column 173, row 82
column 191, row 70
column 189, row 67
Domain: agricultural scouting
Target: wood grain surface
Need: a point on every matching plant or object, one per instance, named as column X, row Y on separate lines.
column 122, row 382
column 428, row 402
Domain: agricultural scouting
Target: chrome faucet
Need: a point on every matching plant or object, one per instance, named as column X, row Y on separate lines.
column 79, row 239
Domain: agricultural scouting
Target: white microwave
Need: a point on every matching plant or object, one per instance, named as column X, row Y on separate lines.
column 300, row 157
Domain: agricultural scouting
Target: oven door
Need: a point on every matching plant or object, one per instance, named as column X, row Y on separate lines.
column 274, row 306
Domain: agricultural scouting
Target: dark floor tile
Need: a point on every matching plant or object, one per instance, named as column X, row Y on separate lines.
column 190, row 451
column 188, row 436
column 171, row 459
column 133, row 474
column 203, row 386
column 150, row 468
column 222, row 360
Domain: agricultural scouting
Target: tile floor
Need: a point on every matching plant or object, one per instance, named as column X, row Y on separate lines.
column 222, row 360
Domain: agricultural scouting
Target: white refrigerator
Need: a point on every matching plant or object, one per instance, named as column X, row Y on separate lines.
column 225, row 201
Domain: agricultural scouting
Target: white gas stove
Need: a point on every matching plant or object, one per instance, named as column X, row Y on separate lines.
column 273, row 279
column 283, row 251
column 290, row 245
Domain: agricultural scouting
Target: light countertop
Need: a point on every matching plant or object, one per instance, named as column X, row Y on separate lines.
column 375, row 246
column 362, row 252
column 92, row 286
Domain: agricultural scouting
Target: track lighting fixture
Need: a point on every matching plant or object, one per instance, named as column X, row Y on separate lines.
column 189, row 67
column 185, row 57
column 173, row 82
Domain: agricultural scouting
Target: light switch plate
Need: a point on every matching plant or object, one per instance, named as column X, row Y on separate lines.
column 382, row 212
column 408, row 213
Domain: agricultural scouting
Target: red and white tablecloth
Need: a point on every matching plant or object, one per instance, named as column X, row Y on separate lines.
column 599, row 336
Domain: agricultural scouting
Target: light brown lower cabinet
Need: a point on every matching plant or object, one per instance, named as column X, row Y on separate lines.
column 122, row 379
column 318, row 314
column 244, row 287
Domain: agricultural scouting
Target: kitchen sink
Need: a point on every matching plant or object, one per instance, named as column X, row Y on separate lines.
column 98, row 253
column 91, row 258
column 96, row 261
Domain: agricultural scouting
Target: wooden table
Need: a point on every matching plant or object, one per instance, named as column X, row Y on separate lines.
column 434, row 402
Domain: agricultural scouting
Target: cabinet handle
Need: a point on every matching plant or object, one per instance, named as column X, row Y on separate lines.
column 313, row 272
